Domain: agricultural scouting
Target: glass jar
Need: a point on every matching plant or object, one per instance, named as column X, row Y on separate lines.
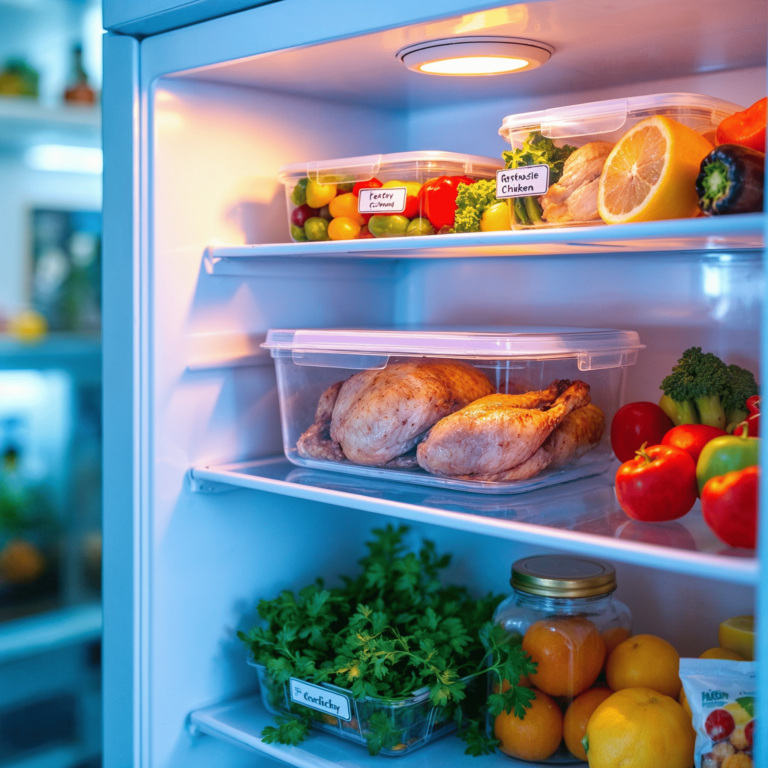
column 564, row 613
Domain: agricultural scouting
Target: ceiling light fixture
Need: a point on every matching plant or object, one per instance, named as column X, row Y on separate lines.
column 472, row 56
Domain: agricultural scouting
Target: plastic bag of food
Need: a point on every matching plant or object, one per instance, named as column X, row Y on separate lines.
column 721, row 695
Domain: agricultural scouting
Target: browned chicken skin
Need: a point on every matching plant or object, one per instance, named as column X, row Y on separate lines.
column 496, row 434
column 316, row 442
column 382, row 414
column 574, row 197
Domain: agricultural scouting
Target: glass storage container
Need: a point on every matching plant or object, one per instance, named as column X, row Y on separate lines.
column 383, row 403
column 543, row 141
column 411, row 723
column 563, row 611
column 355, row 198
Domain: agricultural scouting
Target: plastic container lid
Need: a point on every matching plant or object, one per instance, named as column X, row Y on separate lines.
column 559, row 576
column 594, row 348
column 367, row 166
column 598, row 117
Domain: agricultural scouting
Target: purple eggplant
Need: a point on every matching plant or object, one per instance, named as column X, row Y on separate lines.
column 731, row 180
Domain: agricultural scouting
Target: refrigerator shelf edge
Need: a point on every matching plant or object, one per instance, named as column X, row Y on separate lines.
column 709, row 237
column 581, row 517
column 241, row 722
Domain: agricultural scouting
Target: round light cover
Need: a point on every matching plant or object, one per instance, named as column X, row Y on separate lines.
column 473, row 56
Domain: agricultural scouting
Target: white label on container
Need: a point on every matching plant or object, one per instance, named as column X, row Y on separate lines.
column 389, row 200
column 522, row 182
column 321, row 699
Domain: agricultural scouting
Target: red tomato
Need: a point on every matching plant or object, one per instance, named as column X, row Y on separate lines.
column 746, row 128
column 659, row 484
column 635, row 424
column 364, row 234
column 301, row 214
column 729, row 506
column 753, row 420
column 719, row 724
column 692, row 438
column 370, row 184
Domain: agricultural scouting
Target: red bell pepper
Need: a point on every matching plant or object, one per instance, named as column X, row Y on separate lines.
column 746, row 128
column 370, row 184
column 438, row 199
column 729, row 506
column 753, row 420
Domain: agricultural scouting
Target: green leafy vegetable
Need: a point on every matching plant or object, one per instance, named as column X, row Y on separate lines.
column 539, row 150
column 390, row 631
column 471, row 201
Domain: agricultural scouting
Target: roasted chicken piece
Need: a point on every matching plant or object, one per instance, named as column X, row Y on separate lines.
column 574, row 197
column 382, row 414
column 316, row 442
column 495, row 434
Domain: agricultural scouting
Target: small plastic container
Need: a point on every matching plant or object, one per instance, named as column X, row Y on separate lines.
column 415, row 719
column 580, row 124
column 312, row 364
column 377, row 195
column 563, row 611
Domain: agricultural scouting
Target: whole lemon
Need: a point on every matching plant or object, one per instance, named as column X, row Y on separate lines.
column 639, row 728
column 644, row 661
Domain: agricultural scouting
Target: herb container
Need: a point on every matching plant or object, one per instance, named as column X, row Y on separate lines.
column 395, row 195
column 565, row 194
column 404, row 374
column 392, row 727
column 563, row 611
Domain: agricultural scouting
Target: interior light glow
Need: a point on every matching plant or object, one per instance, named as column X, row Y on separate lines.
column 64, row 158
column 473, row 65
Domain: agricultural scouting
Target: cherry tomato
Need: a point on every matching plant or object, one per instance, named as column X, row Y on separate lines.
column 345, row 205
column 729, row 506
column 746, row 128
column 692, row 438
column 301, row 214
column 659, row 484
column 343, row 228
column 635, row 424
column 413, row 187
column 319, row 195
column 364, row 234
column 370, row 184
column 391, row 225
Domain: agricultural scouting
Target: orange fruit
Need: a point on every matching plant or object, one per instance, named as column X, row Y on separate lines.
column 684, row 703
column 651, row 173
column 721, row 653
column 569, row 652
column 613, row 637
column 535, row 737
column 577, row 716
column 644, row 661
column 21, row 562
column 640, row 728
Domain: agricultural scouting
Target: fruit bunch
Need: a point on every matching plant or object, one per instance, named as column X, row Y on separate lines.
column 606, row 697
column 335, row 211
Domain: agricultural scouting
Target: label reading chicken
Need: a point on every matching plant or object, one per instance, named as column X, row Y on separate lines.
column 528, row 180
column 387, row 200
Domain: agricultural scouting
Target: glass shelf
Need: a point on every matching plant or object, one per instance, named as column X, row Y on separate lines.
column 241, row 722
column 580, row 517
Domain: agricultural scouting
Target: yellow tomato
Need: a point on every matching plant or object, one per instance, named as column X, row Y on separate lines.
column 413, row 187
column 495, row 218
column 319, row 195
column 346, row 205
column 343, row 228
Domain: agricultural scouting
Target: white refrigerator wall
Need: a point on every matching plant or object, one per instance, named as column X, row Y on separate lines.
column 214, row 155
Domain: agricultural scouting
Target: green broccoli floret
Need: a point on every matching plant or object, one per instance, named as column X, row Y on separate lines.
column 696, row 385
column 742, row 386
column 537, row 149
column 471, row 202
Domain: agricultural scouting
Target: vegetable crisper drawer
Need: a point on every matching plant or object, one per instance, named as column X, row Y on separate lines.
column 488, row 411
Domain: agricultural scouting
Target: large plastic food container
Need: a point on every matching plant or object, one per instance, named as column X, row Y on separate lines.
column 379, row 403
column 378, row 195
column 413, row 722
column 549, row 134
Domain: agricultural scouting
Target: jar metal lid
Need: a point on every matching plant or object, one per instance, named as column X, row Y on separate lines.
column 562, row 576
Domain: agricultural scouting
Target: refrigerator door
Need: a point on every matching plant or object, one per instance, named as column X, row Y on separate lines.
column 149, row 17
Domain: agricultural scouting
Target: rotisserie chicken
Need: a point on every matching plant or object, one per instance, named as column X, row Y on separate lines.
column 496, row 434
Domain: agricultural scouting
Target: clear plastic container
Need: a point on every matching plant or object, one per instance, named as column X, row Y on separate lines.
column 414, row 720
column 563, row 611
column 377, row 403
column 326, row 202
column 601, row 122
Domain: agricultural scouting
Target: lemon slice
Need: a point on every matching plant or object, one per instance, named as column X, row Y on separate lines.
column 738, row 635
column 651, row 173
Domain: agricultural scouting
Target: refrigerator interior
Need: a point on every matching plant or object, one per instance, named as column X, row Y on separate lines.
column 216, row 133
